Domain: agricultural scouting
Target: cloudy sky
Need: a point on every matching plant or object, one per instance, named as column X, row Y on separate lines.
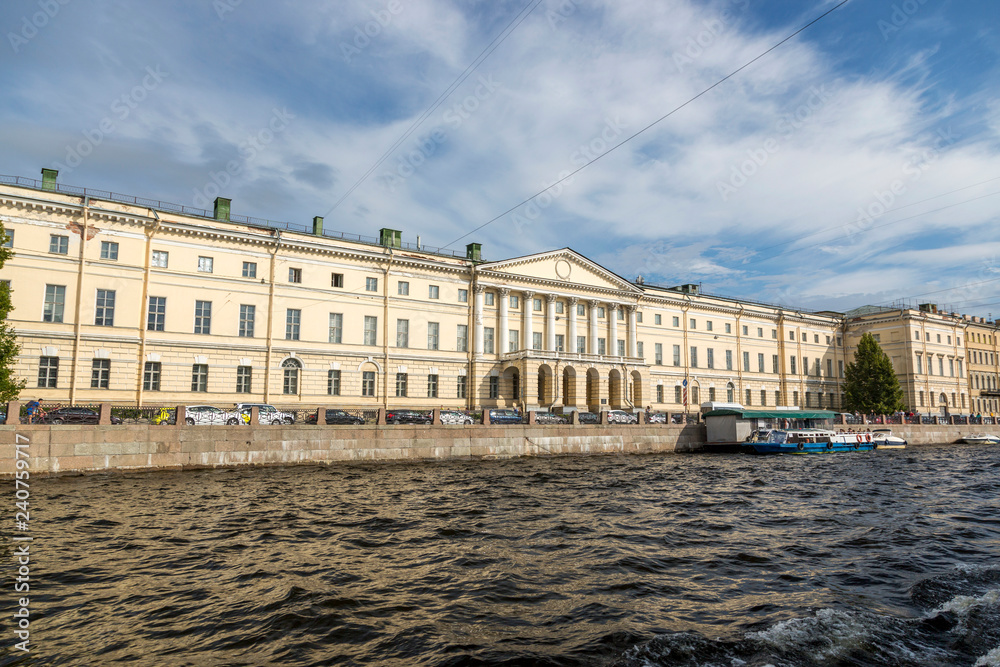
column 856, row 163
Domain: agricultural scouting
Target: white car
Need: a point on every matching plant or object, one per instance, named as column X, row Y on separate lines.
column 267, row 414
column 622, row 417
column 454, row 417
column 200, row 415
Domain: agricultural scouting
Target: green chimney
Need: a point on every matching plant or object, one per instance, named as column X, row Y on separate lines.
column 390, row 238
column 222, row 208
column 474, row 251
column 317, row 226
column 49, row 179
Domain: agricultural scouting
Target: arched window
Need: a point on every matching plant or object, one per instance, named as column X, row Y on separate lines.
column 291, row 368
column 730, row 393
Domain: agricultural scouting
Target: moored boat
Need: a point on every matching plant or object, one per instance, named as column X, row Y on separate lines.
column 884, row 439
column 980, row 439
column 810, row 441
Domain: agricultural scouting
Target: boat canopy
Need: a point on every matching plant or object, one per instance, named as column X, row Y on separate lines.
column 772, row 414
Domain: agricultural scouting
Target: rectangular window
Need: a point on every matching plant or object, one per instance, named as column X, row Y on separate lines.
column 401, row 385
column 156, row 316
column 205, row 264
column 100, row 374
column 601, row 345
column 729, row 328
column 760, row 332
column 462, row 336
column 293, row 322
column 55, row 303
column 488, row 298
column 151, row 376
column 746, row 362
column 295, row 275
column 336, row 334
column 600, row 312
column 402, row 333
column 795, row 398
column 536, row 305
column 368, row 383
column 460, row 387
column 559, row 309
column 199, row 377
column 763, row 397
column 694, row 357
column 639, row 350
column 729, row 360
column 760, row 362
column 676, row 321
column 829, row 368
column 658, row 354
column 774, row 363
column 658, row 320
column 808, row 399
column 536, row 340
column 488, row 346
column 247, row 316
column 805, row 365
column 104, row 313
column 371, row 330
column 433, row 292
column 938, row 337
column 749, row 402
column 659, row 393
column 244, row 378
column 777, row 398
column 336, row 280
column 710, row 358
column 249, row 269
column 951, row 368
column 48, row 372
column 160, row 259
column 840, row 368
column 581, row 344
column 695, row 399
column 8, row 241
column 513, row 342
column 433, row 329
column 203, row 317
column 58, row 244
column 581, row 309
column 109, row 250
column 694, row 323
column 746, row 330
column 941, row 366
column 791, row 366
column 677, row 355
column 774, row 335
column 621, row 348
column 816, row 337
column 403, row 288
column 494, row 387
column 677, row 394
column 371, row 284
column 333, row 383
column 708, row 325
column 463, row 296
column 432, row 386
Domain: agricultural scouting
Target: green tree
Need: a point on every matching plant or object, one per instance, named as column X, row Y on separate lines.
column 10, row 386
column 871, row 386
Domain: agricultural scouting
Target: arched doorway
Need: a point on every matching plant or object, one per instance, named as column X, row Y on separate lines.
column 593, row 390
column 546, row 385
column 569, row 386
column 943, row 400
column 290, row 376
column 638, row 396
column 615, row 389
column 510, row 388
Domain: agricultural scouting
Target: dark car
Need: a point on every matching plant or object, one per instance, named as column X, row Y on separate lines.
column 588, row 417
column 549, row 418
column 336, row 417
column 505, row 417
column 407, row 417
column 74, row 416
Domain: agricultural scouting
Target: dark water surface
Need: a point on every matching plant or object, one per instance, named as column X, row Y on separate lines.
column 881, row 558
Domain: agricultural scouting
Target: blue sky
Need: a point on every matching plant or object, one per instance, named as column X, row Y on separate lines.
column 858, row 163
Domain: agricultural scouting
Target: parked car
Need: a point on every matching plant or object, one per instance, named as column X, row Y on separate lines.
column 267, row 414
column 164, row 417
column 588, row 418
column 407, row 417
column 550, row 418
column 74, row 416
column 200, row 415
column 504, row 416
column 622, row 417
column 455, row 417
column 3, row 417
column 656, row 418
column 336, row 417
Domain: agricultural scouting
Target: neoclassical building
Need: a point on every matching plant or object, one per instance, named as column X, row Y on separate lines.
column 134, row 301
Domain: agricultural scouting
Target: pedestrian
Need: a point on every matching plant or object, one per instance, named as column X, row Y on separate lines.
column 34, row 410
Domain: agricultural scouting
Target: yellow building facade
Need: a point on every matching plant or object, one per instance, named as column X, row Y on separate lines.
column 133, row 301
column 984, row 366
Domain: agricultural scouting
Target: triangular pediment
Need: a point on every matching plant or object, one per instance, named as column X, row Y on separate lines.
column 564, row 266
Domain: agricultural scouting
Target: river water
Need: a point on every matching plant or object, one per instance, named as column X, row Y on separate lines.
column 879, row 558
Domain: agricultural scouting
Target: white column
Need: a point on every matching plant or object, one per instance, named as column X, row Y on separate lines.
column 613, row 329
column 529, row 307
column 633, row 347
column 478, row 321
column 504, row 295
column 550, row 322
column 593, row 325
column 571, row 334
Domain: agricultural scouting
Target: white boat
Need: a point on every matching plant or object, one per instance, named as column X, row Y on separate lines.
column 980, row 439
column 884, row 439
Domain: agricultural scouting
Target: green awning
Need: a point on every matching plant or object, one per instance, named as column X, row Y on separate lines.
column 772, row 414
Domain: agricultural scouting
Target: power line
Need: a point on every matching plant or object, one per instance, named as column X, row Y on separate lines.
column 477, row 61
column 655, row 122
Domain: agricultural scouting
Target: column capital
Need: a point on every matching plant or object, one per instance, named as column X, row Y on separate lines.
column 550, row 298
column 504, row 292
column 630, row 308
column 527, row 294
column 573, row 300
column 594, row 303
column 479, row 289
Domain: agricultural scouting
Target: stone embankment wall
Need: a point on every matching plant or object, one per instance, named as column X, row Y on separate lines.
column 81, row 449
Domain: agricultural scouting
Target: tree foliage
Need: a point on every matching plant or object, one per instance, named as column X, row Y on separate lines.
column 10, row 385
column 871, row 386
